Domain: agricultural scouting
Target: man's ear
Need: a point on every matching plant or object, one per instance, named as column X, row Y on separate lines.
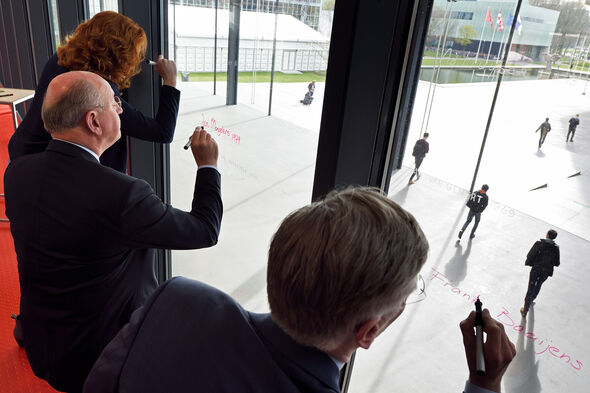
column 366, row 332
column 92, row 123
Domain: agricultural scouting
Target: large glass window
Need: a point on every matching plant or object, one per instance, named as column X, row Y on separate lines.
column 485, row 125
column 54, row 21
column 266, row 161
column 96, row 6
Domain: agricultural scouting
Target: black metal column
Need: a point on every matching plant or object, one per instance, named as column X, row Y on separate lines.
column 372, row 54
column 70, row 14
column 233, row 52
column 148, row 160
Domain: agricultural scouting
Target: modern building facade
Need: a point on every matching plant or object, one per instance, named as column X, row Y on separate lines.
column 536, row 29
column 307, row 11
column 297, row 46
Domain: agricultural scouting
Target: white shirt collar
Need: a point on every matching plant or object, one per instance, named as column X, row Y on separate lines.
column 81, row 147
column 339, row 363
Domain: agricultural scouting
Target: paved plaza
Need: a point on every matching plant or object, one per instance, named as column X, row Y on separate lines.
column 267, row 166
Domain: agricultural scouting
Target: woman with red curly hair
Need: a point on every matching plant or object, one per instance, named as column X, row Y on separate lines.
column 112, row 46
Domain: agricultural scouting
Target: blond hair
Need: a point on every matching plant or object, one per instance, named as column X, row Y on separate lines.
column 337, row 262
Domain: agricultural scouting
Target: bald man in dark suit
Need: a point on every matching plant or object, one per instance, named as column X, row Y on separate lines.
column 85, row 234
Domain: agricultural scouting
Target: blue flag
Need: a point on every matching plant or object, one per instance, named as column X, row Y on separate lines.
column 518, row 26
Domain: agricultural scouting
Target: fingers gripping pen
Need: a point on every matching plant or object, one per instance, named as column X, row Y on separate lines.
column 480, row 362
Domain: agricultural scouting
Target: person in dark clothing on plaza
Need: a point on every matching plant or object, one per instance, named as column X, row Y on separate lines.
column 574, row 122
column 477, row 203
column 542, row 257
column 421, row 147
column 545, row 127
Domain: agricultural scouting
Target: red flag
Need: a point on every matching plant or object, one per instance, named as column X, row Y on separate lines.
column 489, row 19
column 500, row 25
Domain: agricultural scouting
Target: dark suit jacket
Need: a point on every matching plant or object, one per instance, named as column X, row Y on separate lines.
column 190, row 337
column 31, row 137
column 84, row 236
column 543, row 256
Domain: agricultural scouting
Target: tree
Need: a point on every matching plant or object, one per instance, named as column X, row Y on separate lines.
column 438, row 24
column 328, row 5
column 573, row 21
column 466, row 33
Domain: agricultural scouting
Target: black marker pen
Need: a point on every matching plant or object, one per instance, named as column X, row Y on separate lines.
column 150, row 62
column 188, row 144
column 480, row 362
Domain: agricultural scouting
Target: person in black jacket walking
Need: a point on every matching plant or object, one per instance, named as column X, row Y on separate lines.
column 574, row 122
column 421, row 147
column 542, row 257
column 477, row 203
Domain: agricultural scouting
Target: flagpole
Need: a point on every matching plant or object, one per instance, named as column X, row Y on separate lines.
column 572, row 59
column 490, row 47
column 480, row 38
column 428, row 97
column 489, row 51
column 444, row 43
column 580, row 54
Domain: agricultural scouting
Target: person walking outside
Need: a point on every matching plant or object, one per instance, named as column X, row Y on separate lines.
column 421, row 147
column 543, row 256
column 311, row 88
column 545, row 127
column 574, row 122
column 477, row 203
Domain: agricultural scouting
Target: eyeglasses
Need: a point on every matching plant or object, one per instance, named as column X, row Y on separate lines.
column 418, row 294
column 118, row 102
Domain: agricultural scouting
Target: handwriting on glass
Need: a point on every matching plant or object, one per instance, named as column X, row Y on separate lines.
column 505, row 318
column 212, row 126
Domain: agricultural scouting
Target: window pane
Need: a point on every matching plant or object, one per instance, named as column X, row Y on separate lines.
column 267, row 162
column 54, row 21
column 96, row 6
column 531, row 190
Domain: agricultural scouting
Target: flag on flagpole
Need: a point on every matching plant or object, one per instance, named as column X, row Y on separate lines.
column 489, row 19
column 500, row 25
column 518, row 26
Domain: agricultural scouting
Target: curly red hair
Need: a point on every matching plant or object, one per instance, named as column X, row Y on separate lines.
column 110, row 45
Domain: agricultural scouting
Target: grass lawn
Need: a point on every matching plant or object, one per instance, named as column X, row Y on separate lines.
column 576, row 67
column 261, row 77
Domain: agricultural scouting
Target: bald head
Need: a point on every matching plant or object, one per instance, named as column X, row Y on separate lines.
column 69, row 97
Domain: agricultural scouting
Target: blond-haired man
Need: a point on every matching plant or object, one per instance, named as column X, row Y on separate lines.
column 339, row 273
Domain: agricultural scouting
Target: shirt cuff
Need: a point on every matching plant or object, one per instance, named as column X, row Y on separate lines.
column 471, row 388
column 209, row 166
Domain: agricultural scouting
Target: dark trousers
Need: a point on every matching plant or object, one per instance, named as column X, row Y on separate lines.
column 542, row 138
column 536, row 279
column 469, row 218
column 418, row 161
column 570, row 131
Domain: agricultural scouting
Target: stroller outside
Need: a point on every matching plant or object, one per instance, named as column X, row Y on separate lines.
column 307, row 99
